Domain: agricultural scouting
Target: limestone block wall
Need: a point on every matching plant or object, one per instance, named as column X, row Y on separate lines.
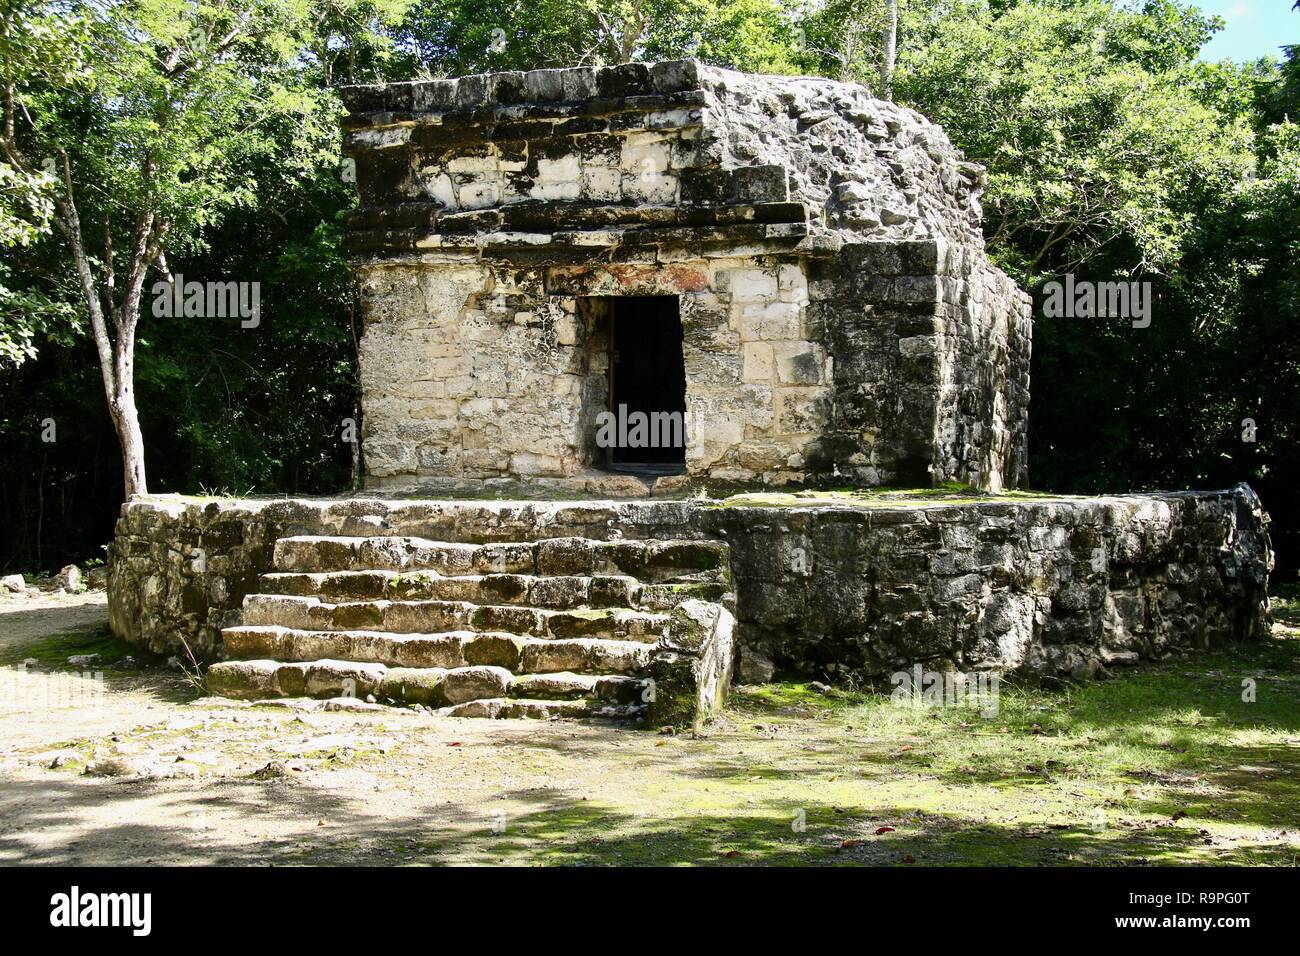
column 1046, row 587
column 1049, row 588
column 652, row 139
column 930, row 350
column 178, row 572
column 982, row 347
column 490, row 375
column 468, row 372
column 179, row 568
column 843, row 324
column 635, row 166
column 982, row 438
column 892, row 363
column 570, row 158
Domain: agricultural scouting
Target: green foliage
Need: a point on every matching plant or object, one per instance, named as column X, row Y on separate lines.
column 176, row 121
column 760, row 36
column 1083, row 115
column 1112, row 153
column 165, row 114
column 27, row 44
column 455, row 37
column 844, row 37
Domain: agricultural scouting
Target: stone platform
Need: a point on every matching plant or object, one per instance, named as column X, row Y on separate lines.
column 507, row 607
column 1039, row 586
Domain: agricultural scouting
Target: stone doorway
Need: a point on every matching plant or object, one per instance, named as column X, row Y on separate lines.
column 645, row 430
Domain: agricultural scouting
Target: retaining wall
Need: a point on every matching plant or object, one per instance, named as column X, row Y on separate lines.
column 1050, row 587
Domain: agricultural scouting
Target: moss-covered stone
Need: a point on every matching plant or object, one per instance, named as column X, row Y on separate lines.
column 414, row 685
column 499, row 650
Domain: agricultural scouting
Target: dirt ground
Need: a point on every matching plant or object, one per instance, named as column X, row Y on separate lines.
column 25, row 620
column 109, row 762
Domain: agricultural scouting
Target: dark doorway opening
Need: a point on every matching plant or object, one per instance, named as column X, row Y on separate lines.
column 647, row 387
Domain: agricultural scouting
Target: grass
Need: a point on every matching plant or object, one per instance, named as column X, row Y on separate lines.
column 54, row 650
column 1163, row 765
column 1284, row 602
column 948, row 493
column 709, row 493
column 1175, row 763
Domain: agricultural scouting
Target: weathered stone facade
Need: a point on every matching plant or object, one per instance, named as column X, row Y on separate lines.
column 515, row 610
column 1050, row 587
column 181, row 568
column 841, row 322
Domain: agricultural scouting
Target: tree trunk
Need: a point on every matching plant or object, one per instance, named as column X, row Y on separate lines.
column 889, row 47
column 356, row 448
column 115, row 350
column 132, row 442
column 116, row 353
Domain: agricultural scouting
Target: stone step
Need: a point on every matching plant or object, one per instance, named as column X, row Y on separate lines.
column 252, row 680
column 560, row 592
column 653, row 562
column 584, row 655
column 507, row 708
column 423, row 617
column 566, row 685
column 431, row 686
column 449, row 649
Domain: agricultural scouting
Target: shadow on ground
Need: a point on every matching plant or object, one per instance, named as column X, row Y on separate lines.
column 1192, row 761
column 557, row 829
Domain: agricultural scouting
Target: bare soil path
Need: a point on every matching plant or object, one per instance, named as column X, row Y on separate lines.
column 1163, row 766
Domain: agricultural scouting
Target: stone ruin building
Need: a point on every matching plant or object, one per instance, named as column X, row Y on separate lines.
column 795, row 266
column 789, row 270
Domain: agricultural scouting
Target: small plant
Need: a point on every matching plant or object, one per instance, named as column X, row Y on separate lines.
column 192, row 670
column 225, row 491
column 853, row 683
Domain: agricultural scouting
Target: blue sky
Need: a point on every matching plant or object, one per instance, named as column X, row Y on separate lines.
column 1255, row 28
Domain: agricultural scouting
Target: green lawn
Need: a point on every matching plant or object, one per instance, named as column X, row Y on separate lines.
column 1163, row 764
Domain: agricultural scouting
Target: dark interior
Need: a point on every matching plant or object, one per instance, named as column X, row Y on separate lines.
column 647, row 374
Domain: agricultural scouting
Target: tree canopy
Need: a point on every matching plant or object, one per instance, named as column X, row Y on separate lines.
column 201, row 138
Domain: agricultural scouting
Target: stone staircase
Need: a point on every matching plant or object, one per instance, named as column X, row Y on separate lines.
column 554, row 627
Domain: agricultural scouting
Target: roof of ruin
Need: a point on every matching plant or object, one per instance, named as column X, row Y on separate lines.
column 797, row 161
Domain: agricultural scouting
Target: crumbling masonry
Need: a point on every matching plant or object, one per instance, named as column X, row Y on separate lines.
column 794, row 268
column 840, row 319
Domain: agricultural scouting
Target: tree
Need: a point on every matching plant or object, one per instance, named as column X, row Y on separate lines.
column 1115, row 153
column 889, row 46
column 1088, row 117
column 146, row 114
column 454, row 37
column 26, row 208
